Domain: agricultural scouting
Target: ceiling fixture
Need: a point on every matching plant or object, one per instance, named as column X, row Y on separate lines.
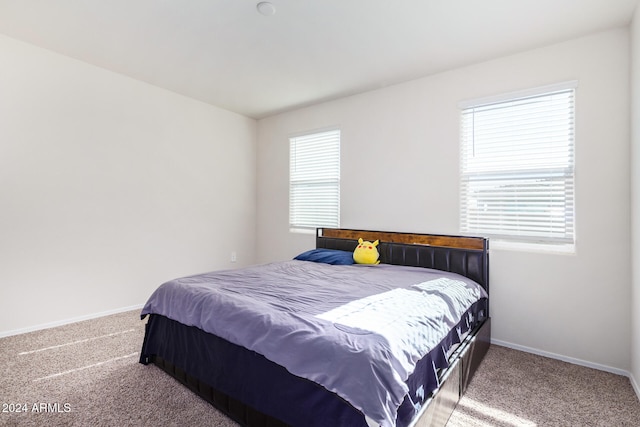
column 266, row 8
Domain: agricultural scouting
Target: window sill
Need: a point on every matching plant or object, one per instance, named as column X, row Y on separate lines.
column 566, row 249
column 302, row 230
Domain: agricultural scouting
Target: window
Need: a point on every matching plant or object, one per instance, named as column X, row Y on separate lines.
column 314, row 181
column 517, row 167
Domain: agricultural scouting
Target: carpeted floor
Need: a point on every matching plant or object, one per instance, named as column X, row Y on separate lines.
column 512, row 388
column 87, row 374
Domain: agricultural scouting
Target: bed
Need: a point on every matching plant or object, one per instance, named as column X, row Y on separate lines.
column 360, row 351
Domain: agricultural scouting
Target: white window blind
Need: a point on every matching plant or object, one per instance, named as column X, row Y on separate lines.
column 314, row 180
column 517, row 168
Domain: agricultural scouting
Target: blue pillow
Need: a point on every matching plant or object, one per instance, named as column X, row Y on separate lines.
column 327, row 256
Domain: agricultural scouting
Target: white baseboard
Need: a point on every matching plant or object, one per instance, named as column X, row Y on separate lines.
column 563, row 358
column 68, row 321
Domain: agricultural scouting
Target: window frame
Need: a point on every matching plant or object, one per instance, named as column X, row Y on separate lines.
column 326, row 180
column 519, row 239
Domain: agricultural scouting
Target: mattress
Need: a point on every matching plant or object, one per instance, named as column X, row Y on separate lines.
column 367, row 340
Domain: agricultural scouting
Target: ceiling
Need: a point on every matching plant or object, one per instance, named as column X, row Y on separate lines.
column 225, row 53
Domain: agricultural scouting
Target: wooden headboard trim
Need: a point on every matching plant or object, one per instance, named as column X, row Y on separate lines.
column 460, row 242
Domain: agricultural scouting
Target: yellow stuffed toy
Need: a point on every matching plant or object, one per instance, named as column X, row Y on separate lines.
column 366, row 252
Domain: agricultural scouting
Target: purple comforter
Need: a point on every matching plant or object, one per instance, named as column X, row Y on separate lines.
column 357, row 330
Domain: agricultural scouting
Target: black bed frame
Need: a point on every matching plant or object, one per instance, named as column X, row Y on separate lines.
column 468, row 256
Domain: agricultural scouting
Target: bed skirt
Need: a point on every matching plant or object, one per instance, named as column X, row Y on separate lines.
column 251, row 374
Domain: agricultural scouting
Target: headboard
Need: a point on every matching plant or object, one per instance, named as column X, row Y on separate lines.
column 467, row 256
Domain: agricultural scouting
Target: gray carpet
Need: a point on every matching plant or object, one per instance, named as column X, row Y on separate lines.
column 512, row 388
column 87, row 374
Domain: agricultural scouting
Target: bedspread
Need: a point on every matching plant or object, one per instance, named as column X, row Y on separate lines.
column 356, row 330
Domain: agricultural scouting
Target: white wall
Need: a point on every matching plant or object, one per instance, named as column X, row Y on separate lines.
column 635, row 197
column 109, row 186
column 400, row 172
